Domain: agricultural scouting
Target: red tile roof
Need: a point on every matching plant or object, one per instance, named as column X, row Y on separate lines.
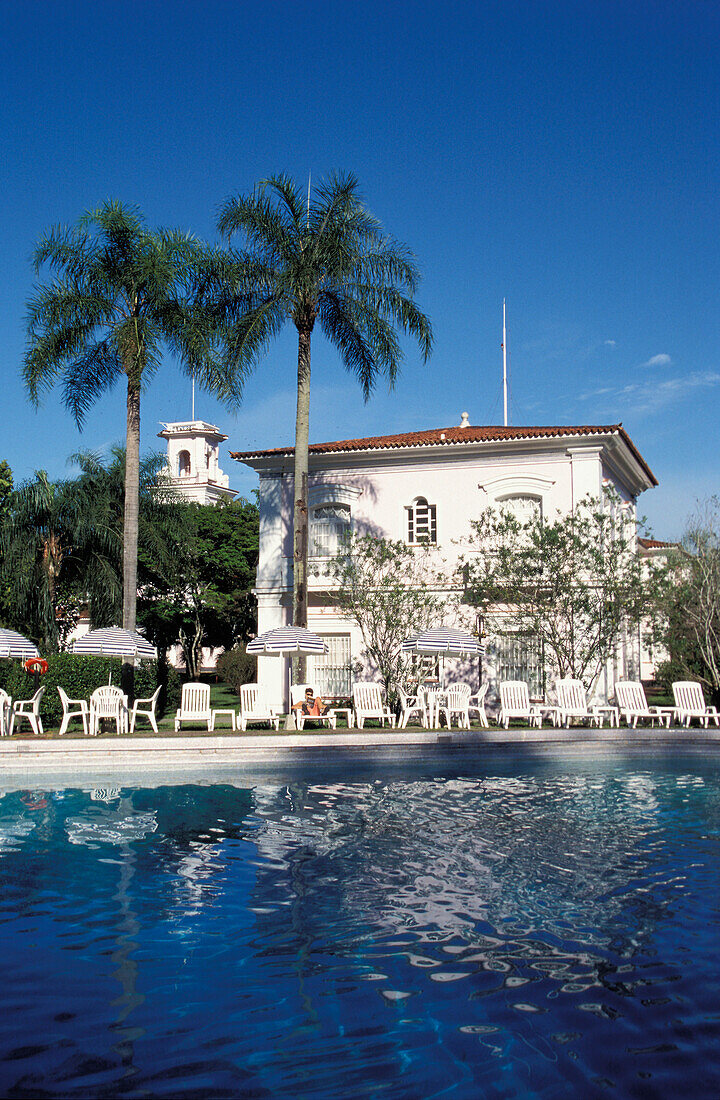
column 656, row 544
column 447, row 436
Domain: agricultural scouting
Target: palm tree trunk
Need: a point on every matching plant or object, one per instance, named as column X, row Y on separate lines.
column 300, row 512
column 130, row 524
column 131, row 512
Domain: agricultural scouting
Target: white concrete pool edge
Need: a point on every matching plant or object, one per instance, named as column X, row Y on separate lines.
column 168, row 753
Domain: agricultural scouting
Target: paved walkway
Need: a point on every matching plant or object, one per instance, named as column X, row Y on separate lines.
column 33, row 756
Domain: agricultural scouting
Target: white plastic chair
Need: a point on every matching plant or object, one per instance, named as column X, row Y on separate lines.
column 572, row 703
column 145, row 707
column 457, row 700
column 109, row 704
column 477, row 703
column 30, row 709
column 253, row 708
column 369, row 702
column 632, row 704
column 515, row 703
column 5, row 713
column 412, row 705
column 690, row 703
column 81, row 711
column 194, row 705
column 297, row 695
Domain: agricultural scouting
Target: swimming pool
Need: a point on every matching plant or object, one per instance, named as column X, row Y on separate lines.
column 449, row 930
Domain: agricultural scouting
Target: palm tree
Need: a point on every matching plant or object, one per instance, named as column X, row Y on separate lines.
column 53, row 544
column 119, row 294
column 322, row 258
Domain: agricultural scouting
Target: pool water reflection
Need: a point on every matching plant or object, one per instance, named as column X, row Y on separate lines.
column 456, row 935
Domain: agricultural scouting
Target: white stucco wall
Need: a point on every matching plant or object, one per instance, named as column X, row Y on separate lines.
column 460, row 480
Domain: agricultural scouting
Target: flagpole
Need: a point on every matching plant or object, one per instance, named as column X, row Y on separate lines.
column 504, row 347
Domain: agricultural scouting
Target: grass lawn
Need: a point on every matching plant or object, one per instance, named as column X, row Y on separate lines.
column 222, row 697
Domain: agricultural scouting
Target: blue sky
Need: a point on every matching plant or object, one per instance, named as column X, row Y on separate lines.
column 561, row 155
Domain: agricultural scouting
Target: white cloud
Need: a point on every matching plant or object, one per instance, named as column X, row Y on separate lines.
column 650, row 397
column 610, row 344
column 662, row 360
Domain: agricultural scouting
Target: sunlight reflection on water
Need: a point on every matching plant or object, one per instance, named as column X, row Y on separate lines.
column 459, row 935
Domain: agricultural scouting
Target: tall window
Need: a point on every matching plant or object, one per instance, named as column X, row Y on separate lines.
column 520, row 657
column 421, row 521
column 331, row 672
column 329, row 530
column 184, row 464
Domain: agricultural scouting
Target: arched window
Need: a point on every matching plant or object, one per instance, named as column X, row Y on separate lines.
column 329, row 529
column 184, row 464
column 421, row 521
column 525, row 508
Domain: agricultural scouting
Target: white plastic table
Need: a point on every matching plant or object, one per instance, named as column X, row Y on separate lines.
column 227, row 711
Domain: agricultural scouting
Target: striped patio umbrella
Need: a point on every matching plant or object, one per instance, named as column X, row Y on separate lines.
column 113, row 641
column 443, row 640
column 14, row 645
column 286, row 639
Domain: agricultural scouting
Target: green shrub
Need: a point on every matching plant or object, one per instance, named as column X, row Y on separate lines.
column 236, row 667
column 79, row 676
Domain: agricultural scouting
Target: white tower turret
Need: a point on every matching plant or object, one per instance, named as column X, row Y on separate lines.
column 192, row 463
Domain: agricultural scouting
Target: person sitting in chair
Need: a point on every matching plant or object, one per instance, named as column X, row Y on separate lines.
column 312, row 706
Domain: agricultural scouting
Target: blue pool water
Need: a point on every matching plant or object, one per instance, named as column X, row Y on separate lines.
column 447, row 931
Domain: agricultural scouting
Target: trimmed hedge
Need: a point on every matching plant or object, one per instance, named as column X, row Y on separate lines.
column 79, row 676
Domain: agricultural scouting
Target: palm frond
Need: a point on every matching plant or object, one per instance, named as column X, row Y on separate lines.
column 89, row 375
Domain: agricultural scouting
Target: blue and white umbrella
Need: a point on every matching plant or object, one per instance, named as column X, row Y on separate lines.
column 14, row 645
column 114, row 641
column 283, row 641
column 286, row 639
column 443, row 640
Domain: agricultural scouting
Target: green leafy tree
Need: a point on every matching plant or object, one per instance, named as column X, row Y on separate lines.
column 198, row 588
column 322, row 259
column 6, row 487
column 390, row 590
column 118, row 294
column 690, row 602
column 575, row 582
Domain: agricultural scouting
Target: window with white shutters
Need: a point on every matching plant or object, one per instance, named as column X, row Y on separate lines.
column 520, row 657
column 421, row 521
column 329, row 530
column 331, row 673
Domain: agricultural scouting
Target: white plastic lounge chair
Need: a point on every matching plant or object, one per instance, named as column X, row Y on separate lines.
column 477, row 703
column 457, row 699
column 253, row 708
column 145, row 707
column 5, row 713
column 30, row 709
column 81, row 710
column 515, row 703
column 690, row 703
column 412, row 706
column 632, row 704
column 572, row 703
column 297, row 695
column 109, row 704
column 369, row 702
column 194, row 705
